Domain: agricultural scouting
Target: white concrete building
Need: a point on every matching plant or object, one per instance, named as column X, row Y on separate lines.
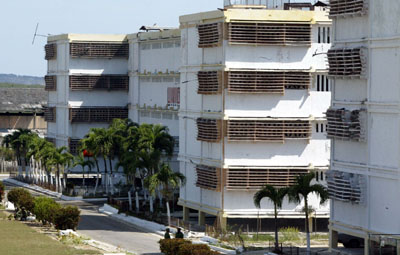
column 93, row 79
column 363, row 122
column 253, row 95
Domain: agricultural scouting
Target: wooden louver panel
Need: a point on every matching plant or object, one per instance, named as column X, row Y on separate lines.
column 50, row 114
column 208, row 177
column 99, row 82
column 73, row 145
column 345, row 124
column 50, row 83
column 97, row 114
column 50, row 51
column 266, row 82
column 346, row 187
column 268, row 130
column 254, row 179
column 346, row 62
column 210, row 35
column 209, row 82
column 269, row 33
column 99, row 50
column 347, row 7
column 208, row 130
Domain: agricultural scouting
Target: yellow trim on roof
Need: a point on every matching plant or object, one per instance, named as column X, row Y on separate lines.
column 89, row 37
column 156, row 35
column 254, row 15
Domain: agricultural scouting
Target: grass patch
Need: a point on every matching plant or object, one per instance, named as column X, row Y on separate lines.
column 16, row 237
column 12, row 85
column 319, row 237
column 289, row 234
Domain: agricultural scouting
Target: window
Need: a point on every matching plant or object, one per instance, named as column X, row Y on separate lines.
column 146, row 46
column 156, row 115
column 323, row 83
column 167, row 45
column 144, row 114
column 156, row 46
column 145, row 79
column 320, row 127
column 156, row 79
column 322, row 176
column 324, row 35
column 168, row 79
column 173, row 97
column 178, row 44
column 167, row 115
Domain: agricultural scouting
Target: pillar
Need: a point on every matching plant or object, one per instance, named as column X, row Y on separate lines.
column 367, row 245
column 186, row 215
column 333, row 239
column 202, row 218
column 223, row 221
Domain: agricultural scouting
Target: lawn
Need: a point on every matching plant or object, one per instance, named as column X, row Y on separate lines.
column 18, row 239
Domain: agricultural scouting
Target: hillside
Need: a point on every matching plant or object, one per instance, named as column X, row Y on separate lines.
column 21, row 79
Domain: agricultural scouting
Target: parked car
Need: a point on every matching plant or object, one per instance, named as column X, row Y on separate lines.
column 349, row 241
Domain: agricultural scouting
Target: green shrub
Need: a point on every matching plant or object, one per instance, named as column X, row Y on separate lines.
column 290, row 234
column 171, row 246
column 21, row 198
column 45, row 209
column 2, row 188
column 67, row 218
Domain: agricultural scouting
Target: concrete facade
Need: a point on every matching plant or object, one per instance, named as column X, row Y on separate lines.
column 371, row 164
column 214, row 194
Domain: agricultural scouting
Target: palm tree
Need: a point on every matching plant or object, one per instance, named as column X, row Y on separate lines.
column 36, row 146
column 167, row 180
column 61, row 159
column 19, row 142
column 276, row 195
column 80, row 160
column 301, row 190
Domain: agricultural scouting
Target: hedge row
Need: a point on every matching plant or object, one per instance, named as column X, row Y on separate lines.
column 2, row 188
column 184, row 247
column 45, row 209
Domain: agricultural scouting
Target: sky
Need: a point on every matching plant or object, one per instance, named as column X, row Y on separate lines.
column 18, row 19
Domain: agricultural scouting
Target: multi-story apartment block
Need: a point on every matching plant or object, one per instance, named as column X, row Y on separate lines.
column 363, row 122
column 254, row 90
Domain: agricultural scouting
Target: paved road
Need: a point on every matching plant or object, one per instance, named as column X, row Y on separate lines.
column 102, row 228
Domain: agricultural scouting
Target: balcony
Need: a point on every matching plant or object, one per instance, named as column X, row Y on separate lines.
column 208, row 130
column 273, row 130
column 99, row 82
column 50, row 51
column 50, row 83
column 346, row 125
column 208, row 177
column 99, row 50
column 254, row 179
column 266, row 81
column 347, row 62
column 50, row 114
column 210, row 35
column 97, row 114
column 346, row 8
column 252, row 33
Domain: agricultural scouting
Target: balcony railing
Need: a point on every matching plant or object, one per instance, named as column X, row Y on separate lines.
column 254, row 179
column 97, row 114
column 99, row 82
column 346, row 125
column 210, row 35
column 346, row 187
column 343, row 8
column 50, row 83
column 266, row 82
column 50, row 114
column 267, row 130
column 347, row 62
column 50, row 51
column 269, row 33
column 99, row 50
column 208, row 177
column 208, row 130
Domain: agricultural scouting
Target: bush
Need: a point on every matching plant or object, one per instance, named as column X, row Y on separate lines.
column 290, row 234
column 184, row 247
column 171, row 246
column 67, row 218
column 2, row 188
column 45, row 209
column 21, row 198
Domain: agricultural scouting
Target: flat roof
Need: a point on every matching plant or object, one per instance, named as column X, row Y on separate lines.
column 154, row 35
column 89, row 37
column 265, row 15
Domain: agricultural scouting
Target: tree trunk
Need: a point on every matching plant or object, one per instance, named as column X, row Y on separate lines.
column 276, row 229
column 98, row 176
column 83, row 176
column 168, row 212
column 307, row 227
column 105, row 174
column 111, row 173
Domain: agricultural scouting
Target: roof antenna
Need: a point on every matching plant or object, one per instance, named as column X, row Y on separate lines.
column 36, row 34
